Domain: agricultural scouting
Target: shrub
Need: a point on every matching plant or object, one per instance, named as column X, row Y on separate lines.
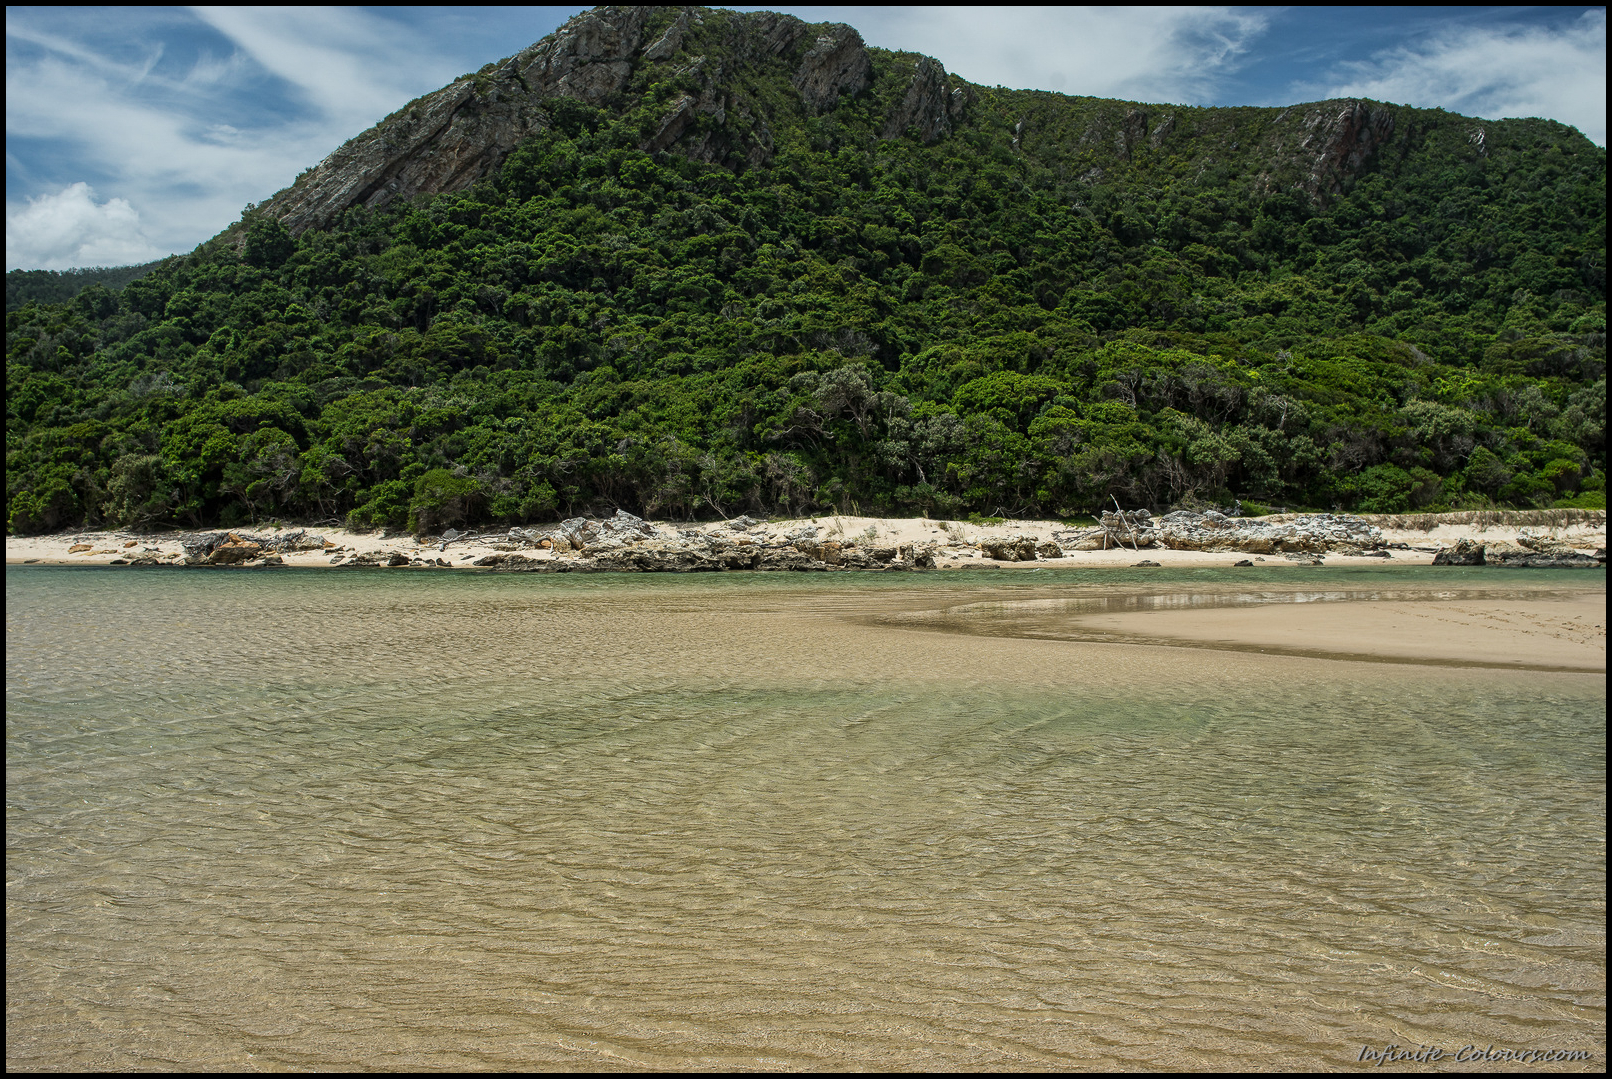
column 441, row 500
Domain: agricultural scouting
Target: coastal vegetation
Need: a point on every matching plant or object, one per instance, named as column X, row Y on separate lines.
column 1010, row 319
column 59, row 286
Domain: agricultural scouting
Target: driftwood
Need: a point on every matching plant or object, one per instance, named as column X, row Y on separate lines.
column 1127, row 524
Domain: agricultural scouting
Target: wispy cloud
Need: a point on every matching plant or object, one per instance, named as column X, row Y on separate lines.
column 177, row 117
column 349, row 65
column 1161, row 54
column 185, row 138
column 1494, row 72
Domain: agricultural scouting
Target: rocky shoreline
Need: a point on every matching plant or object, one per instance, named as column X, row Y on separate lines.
column 624, row 543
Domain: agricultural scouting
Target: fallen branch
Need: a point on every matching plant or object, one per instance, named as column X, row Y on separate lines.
column 1127, row 524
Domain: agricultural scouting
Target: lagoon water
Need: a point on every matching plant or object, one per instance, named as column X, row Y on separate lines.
column 389, row 819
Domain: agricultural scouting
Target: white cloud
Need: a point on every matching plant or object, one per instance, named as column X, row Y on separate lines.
column 1494, row 72
column 352, row 66
column 67, row 229
column 1155, row 54
column 155, row 136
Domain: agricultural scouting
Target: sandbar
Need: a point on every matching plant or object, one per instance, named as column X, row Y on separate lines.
column 1565, row 632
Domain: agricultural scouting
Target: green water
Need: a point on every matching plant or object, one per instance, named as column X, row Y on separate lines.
column 392, row 819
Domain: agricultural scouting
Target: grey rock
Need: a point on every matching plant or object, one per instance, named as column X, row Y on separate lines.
column 1019, row 548
column 835, row 65
column 1214, row 531
column 447, row 140
column 1464, row 553
column 787, row 558
column 234, row 552
column 919, row 555
column 931, row 105
column 1542, row 555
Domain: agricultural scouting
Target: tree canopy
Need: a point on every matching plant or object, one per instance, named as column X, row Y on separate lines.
column 1000, row 321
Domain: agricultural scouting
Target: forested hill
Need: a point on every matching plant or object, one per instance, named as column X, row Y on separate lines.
column 691, row 262
column 59, row 286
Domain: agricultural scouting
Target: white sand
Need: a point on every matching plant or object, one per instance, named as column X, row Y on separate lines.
column 104, row 547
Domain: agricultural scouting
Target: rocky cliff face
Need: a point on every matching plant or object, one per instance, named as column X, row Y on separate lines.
column 739, row 76
column 447, row 140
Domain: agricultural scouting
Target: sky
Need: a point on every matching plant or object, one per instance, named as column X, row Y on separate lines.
column 137, row 132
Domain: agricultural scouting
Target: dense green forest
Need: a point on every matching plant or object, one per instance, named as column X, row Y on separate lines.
column 59, row 286
column 991, row 323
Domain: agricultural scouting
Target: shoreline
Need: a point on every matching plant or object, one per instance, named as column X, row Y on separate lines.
column 953, row 544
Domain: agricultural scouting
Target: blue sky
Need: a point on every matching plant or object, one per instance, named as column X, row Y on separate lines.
column 133, row 133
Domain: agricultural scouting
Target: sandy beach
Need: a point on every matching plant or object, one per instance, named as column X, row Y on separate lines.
column 956, row 544
column 1563, row 630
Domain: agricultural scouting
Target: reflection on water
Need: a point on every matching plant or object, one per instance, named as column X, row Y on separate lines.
column 394, row 820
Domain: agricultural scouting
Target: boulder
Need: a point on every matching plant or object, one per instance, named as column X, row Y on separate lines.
column 827, row 552
column 1133, row 528
column 788, row 558
column 1501, row 553
column 1146, row 562
column 625, row 527
column 665, row 556
column 1464, row 553
column 1013, row 549
column 234, row 552
column 1184, row 530
column 78, row 548
column 1244, row 562
column 1547, row 555
column 1548, row 545
column 918, row 555
column 300, row 540
column 1048, row 549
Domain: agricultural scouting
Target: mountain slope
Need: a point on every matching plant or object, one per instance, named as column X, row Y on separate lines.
column 689, row 261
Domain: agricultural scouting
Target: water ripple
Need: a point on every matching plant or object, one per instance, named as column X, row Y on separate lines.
column 463, row 822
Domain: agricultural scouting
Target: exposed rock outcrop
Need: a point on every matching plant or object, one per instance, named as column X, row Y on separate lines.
column 1012, row 549
column 1184, row 530
column 1464, row 553
column 836, row 64
column 1341, row 138
column 932, row 105
column 628, row 544
column 1529, row 552
column 449, row 139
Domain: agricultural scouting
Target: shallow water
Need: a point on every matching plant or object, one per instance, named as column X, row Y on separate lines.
column 391, row 819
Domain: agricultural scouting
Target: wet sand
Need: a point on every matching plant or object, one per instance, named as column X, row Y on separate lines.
column 1565, row 633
